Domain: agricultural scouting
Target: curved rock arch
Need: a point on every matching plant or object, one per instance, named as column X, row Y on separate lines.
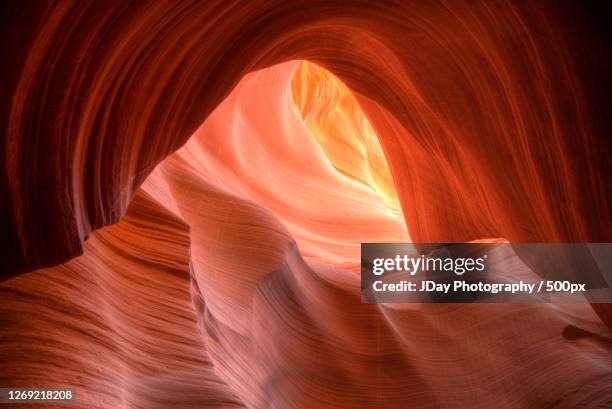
column 481, row 110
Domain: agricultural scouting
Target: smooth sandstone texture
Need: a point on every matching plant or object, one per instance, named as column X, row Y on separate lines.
column 233, row 282
column 116, row 324
column 494, row 118
column 229, row 278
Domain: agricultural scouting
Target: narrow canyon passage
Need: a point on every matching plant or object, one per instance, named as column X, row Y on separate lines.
column 232, row 281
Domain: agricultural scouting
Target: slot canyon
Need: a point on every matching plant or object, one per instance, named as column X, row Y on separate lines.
column 185, row 187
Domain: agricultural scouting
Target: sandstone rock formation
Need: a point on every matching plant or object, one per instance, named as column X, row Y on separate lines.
column 183, row 198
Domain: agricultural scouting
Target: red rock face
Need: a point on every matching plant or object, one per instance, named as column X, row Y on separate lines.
column 242, row 181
